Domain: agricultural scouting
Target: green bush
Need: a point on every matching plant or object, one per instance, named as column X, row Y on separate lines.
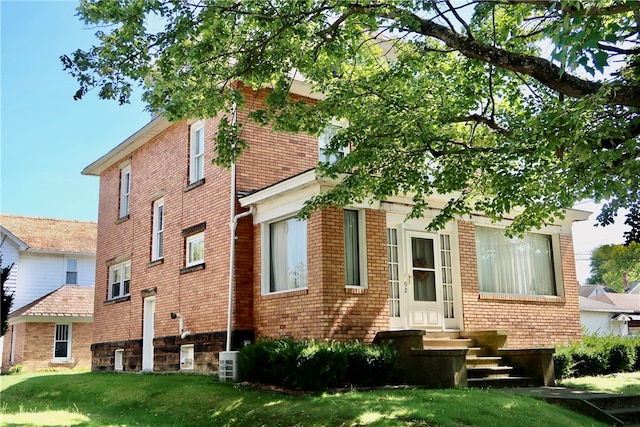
column 596, row 355
column 16, row 369
column 312, row 365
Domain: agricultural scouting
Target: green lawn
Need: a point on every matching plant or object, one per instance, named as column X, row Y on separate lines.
column 109, row 399
column 613, row 383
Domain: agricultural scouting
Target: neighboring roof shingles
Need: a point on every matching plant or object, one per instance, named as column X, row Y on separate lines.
column 626, row 301
column 68, row 300
column 53, row 235
column 591, row 304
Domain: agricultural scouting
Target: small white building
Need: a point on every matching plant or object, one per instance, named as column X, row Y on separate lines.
column 602, row 318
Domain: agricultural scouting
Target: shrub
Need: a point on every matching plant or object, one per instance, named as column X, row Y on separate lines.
column 16, row 369
column 596, row 355
column 312, row 365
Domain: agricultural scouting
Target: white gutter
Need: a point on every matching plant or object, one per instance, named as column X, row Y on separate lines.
column 232, row 247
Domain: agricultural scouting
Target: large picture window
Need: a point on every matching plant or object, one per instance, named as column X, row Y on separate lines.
column 515, row 266
column 287, row 255
column 119, row 280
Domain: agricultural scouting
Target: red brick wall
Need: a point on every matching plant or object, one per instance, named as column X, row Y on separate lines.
column 161, row 168
column 34, row 346
column 531, row 321
column 327, row 309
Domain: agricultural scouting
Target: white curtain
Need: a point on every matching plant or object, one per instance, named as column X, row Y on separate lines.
column 351, row 250
column 288, row 255
column 514, row 266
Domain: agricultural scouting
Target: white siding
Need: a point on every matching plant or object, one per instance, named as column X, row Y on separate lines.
column 40, row 274
column 10, row 256
column 599, row 322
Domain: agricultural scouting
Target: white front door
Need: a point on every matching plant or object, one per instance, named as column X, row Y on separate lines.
column 148, row 333
column 424, row 284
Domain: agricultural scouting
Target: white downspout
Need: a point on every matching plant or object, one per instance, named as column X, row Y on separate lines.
column 232, row 247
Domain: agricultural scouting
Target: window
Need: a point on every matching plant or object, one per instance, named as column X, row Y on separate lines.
column 125, row 190
column 186, row 357
column 158, row 230
column 195, row 249
column 327, row 155
column 515, row 266
column 287, row 255
column 72, row 272
column 394, row 272
column 119, row 278
column 354, row 249
column 118, row 360
column 62, row 342
column 196, row 158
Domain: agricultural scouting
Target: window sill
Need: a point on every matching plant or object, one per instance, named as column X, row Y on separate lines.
column 117, row 300
column 544, row 299
column 356, row 290
column 193, row 185
column 189, row 269
column 122, row 219
column 61, row 362
column 156, row 262
column 286, row 294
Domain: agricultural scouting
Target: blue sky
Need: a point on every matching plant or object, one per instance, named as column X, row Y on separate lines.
column 47, row 138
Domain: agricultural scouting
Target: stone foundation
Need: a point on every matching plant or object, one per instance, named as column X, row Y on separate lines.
column 166, row 356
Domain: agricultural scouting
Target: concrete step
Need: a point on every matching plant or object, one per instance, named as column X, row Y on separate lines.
column 626, row 415
column 479, row 360
column 447, row 343
column 494, row 371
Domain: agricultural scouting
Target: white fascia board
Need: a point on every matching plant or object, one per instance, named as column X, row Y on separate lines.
column 49, row 319
column 22, row 246
column 128, row 146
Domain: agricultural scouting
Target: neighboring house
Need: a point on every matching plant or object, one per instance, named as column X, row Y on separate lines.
column 164, row 251
column 601, row 318
column 52, row 331
column 627, row 302
column 45, row 254
column 589, row 291
column 634, row 288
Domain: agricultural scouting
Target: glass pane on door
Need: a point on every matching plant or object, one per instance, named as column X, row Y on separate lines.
column 424, row 275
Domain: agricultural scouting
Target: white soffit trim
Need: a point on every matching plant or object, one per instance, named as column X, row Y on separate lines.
column 128, row 146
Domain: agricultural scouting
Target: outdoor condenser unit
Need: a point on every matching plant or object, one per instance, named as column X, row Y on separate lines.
column 228, row 370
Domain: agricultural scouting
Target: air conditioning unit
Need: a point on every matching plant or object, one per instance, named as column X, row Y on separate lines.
column 228, row 369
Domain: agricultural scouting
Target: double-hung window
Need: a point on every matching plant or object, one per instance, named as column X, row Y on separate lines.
column 119, row 280
column 125, row 190
column 158, row 230
column 354, row 249
column 515, row 266
column 287, row 255
column 195, row 249
column 327, row 155
column 62, row 343
column 72, row 272
column 196, row 158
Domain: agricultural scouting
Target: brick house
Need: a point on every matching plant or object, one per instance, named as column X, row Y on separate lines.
column 164, row 256
column 52, row 331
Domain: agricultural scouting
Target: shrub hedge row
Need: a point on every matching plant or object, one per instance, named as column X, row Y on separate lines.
column 313, row 365
column 597, row 355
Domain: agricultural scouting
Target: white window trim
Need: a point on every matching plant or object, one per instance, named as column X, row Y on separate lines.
column 556, row 260
column 67, row 270
column 125, row 191
column 194, row 174
column 157, row 233
column 191, row 239
column 122, row 267
column 66, row 358
column 340, row 124
column 362, row 249
column 265, row 259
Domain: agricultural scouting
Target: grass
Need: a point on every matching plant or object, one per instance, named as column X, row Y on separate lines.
column 613, row 383
column 109, row 399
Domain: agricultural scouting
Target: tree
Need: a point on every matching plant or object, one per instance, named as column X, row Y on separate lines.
column 503, row 104
column 6, row 298
column 610, row 262
column 633, row 220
